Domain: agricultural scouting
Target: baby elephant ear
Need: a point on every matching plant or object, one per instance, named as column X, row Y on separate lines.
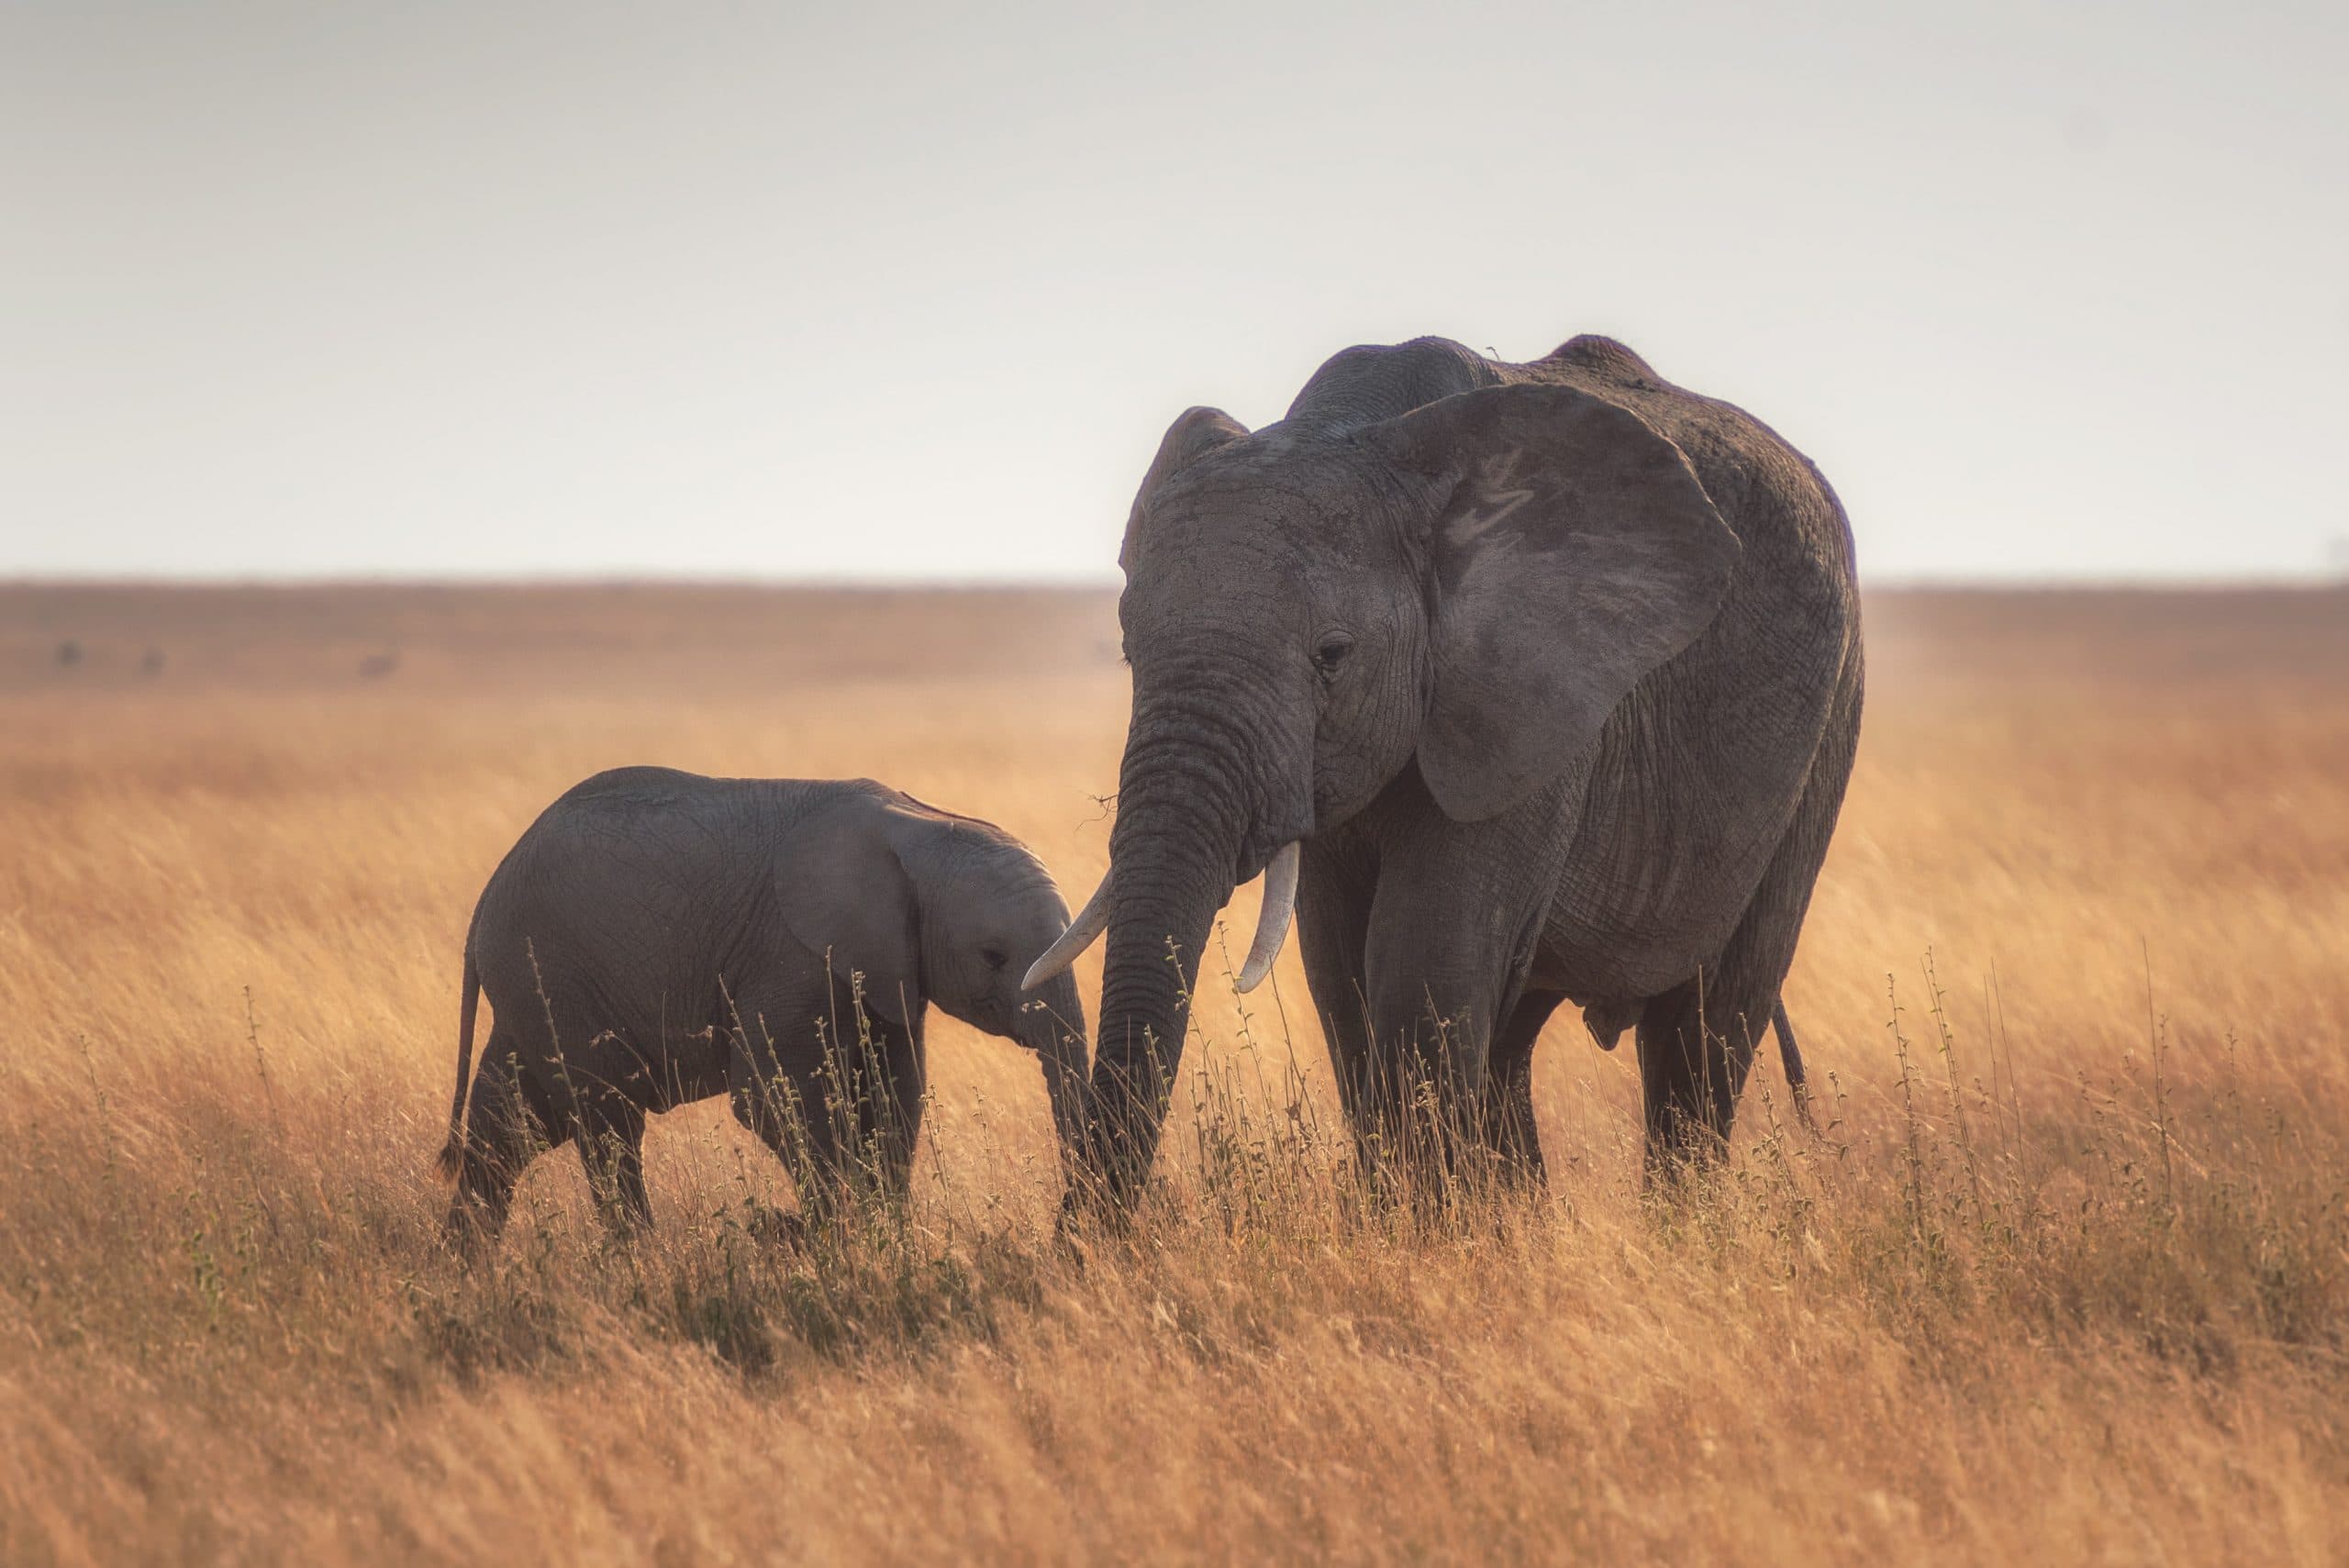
column 1572, row 550
column 847, row 901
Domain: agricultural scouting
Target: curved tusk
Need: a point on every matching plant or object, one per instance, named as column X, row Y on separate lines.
column 1082, row 933
column 1272, row 926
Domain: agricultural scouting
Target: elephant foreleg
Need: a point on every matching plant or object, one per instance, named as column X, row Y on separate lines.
column 1332, row 924
column 840, row 1109
column 1431, row 1090
column 1453, row 924
column 890, row 1097
column 778, row 1089
column 611, row 1148
column 1446, row 957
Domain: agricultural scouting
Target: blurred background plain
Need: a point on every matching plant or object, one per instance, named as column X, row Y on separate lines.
column 910, row 293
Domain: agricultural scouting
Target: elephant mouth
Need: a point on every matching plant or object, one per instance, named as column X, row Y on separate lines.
column 1258, row 853
column 1279, row 868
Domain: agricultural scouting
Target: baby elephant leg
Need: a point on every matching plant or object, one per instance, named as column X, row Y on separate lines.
column 889, row 1105
column 611, row 1147
column 842, row 1115
column 778, row 1090
column 506, row 1128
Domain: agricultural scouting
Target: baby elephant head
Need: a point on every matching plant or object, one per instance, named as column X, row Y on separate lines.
column 988, row 909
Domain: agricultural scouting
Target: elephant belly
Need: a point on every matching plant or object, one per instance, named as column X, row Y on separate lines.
column 1652, row 891
column 692, row 1068
column 651, row 1053
column 1596, row 963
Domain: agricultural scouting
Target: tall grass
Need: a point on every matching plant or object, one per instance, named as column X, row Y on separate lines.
column 2062, row 1274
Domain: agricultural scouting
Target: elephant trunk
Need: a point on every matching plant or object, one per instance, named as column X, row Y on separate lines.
column 1190, row 812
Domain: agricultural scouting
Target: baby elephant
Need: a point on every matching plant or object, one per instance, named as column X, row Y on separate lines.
column 657, row 937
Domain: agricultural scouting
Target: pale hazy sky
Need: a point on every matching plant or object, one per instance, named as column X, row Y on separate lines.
column 874, row 292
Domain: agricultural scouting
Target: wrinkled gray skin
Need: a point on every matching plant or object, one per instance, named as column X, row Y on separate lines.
column 1555, row 668
column 641, row 901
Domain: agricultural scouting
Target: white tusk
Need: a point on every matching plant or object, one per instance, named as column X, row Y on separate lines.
column 1272, row 926
column 1082, row 933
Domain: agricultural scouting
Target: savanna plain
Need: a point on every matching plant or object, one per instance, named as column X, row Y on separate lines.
column 2062, row 1276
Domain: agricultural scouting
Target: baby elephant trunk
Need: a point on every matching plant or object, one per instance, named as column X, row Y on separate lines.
column 1051, row 1024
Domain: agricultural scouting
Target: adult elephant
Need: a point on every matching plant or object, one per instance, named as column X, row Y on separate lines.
column 1525, row 684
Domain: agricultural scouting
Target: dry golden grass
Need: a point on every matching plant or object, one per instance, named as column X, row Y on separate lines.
column 2065, row 1281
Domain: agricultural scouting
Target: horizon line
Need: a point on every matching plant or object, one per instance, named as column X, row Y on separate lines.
column 752, row 582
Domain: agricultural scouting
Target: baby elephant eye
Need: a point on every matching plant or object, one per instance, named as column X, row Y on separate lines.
column 1332, row 651
column 996, row 958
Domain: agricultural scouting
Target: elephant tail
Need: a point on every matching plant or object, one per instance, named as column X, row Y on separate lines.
column 452, row 1153
column 1798, row 1081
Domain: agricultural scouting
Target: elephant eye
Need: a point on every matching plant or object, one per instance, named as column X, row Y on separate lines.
column 996, row 958
column 1332, row 651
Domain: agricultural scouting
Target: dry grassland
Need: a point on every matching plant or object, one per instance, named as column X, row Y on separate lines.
column 2065, row 1279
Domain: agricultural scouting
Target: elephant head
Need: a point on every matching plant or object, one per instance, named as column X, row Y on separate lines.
column 1469, row 587
column 985, row 908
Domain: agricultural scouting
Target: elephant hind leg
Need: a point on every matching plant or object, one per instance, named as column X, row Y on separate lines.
column 1507, row 1103
column 1696, row 1044
column 506, row 1127
column 1697, row 1041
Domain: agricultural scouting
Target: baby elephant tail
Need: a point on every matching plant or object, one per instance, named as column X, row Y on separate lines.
column 452, row 1153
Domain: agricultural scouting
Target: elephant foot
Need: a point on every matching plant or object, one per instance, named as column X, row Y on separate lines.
column 780, row 1227
column 469, row 1229
column 1607, row 1020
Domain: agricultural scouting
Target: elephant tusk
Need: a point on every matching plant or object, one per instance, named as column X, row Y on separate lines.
column 1272, row 926
column 1082, row 933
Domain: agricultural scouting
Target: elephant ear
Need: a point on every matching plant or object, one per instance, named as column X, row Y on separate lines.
column 1194, row 433
column 847, row 900
column 1572, row 551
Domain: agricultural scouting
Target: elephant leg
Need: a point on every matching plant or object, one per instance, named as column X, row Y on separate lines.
column 1454, row 920
column 507, row 1124
column 1432, row 1017
column 1696, row 1044
column 793, row 1088
column 1696, row 1041
column 1509, row 1127
column 870, row 1088
column 1444, row 968
column 889, row 1098
column 1334, row 892
column 611, row 1148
